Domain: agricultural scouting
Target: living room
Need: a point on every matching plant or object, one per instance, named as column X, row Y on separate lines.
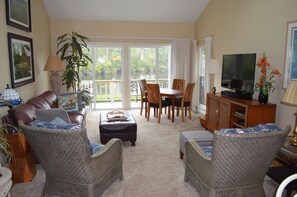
column 235, row 26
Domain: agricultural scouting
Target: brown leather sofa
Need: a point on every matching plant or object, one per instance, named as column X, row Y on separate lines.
column 46, row 100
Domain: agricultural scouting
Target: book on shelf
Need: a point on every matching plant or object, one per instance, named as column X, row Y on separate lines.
column 240, row 113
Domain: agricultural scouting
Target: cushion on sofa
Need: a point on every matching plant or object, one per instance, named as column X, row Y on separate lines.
column 68, row 101
column 269, row 127
column 39, row 103
column 50, row 98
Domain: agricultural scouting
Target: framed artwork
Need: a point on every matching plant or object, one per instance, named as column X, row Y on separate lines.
column 21, row 60
column 18, row 14
column 290, row 71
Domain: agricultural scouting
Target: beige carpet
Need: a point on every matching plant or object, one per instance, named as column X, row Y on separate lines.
column 151, row 168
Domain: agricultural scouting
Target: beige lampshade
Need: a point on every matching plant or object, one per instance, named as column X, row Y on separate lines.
column 290, row 96
column 212, row 67
column 54, row 63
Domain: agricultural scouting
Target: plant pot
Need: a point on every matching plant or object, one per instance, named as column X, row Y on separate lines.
column 263, row 98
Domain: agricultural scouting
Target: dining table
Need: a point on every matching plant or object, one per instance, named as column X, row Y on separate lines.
column 172, row 94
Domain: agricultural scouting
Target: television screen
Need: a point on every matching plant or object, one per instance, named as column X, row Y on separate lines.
column 238, row 72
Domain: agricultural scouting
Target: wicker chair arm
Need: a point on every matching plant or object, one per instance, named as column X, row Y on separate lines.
column 110, row 156
column 198, row 160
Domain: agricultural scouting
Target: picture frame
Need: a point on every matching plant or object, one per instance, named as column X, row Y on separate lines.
column 18, row 14
column 290, row 69
column 21, row 60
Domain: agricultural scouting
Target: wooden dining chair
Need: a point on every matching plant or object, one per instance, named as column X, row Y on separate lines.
column 178, row 84
column 143, row 99
column 154, row 100
column 186, row 101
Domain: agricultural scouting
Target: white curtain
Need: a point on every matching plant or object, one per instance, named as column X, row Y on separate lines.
column 208, row 55
column 184, row 62
column 181, row 59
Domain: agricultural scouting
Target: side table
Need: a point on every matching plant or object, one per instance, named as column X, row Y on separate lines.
column 287, row 156
column 22, row 164
column 5, row 182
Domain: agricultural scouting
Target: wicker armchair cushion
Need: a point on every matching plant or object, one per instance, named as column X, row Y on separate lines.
column 269, row 127
column 95, row 148
column 53, row 125
column 207, row 150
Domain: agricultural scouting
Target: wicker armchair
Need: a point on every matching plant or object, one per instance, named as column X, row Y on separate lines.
column 237, row 166
column 71, row 169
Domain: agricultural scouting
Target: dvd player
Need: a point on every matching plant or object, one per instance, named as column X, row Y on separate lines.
column 237, row 95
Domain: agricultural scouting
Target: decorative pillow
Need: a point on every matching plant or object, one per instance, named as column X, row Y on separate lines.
column 207, row 150
column 69, row 101
column 94, row 148
column 51, row 125
column 269, row 127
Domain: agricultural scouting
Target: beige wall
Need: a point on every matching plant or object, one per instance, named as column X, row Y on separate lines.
column 41, row 49
column 241, row 26
column 104, row 29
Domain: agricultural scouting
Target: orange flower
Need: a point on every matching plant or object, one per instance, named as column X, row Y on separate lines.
column 266, row 83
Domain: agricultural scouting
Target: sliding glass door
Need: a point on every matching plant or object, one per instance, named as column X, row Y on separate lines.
column 113, row 76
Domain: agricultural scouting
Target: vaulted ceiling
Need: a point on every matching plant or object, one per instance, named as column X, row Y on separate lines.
column 172, row 11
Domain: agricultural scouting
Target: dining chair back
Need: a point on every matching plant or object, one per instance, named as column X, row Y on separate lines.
column 154, row 100
column 178, row 84
column 186, row 101
column 142, row 86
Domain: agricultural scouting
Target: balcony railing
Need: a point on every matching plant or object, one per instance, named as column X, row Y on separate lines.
column 110, row 90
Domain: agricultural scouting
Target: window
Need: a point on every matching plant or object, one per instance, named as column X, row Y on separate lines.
column 201, row 82
column 113, row 76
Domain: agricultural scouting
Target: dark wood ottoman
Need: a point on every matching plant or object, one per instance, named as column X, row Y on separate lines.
column 124, row 130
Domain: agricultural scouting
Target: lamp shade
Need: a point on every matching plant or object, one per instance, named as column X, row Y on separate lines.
column 212, row 67
column 54, row 63
column 290, row 96
column 10, row 96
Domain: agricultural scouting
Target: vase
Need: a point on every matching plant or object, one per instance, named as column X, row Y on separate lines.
column 263, row 98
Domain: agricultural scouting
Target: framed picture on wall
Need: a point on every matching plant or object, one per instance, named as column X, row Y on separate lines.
column 18, row 14
column 290, row 71
column 21, row 60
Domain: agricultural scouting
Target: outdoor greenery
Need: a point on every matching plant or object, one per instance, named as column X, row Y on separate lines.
column 144, row 62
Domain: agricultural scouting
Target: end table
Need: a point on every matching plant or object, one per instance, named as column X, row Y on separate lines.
column 22, row 164
column 287, row 156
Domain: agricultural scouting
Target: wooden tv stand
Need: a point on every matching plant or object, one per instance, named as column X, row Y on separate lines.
column 225, row 112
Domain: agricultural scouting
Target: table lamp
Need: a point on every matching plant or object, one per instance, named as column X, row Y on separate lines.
column 212, row 68
column 290, row 98
column 55, row 64
column 10, row 97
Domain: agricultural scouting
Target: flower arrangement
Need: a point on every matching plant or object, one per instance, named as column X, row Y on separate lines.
column 267, row 80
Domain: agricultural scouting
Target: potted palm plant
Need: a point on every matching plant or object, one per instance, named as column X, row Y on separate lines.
column 73, row 49
column 5, row 151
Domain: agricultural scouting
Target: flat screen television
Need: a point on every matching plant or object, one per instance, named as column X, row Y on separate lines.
column 238, row 73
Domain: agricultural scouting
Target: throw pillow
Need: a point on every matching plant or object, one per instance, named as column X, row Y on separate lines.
column 68, row 101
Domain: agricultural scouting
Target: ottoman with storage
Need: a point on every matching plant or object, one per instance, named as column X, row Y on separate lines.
column 199, row 136
column 126, row 130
